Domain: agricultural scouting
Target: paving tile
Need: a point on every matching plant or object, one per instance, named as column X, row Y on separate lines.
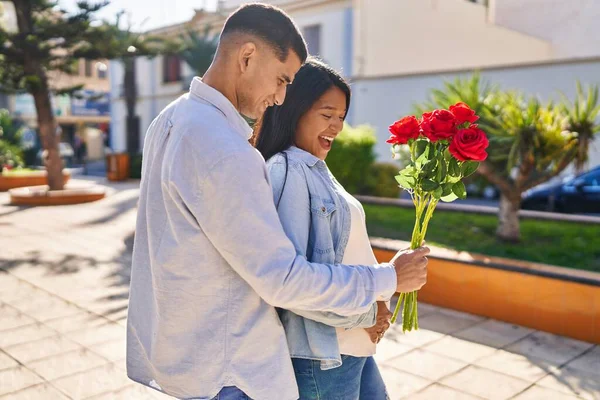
column 440, row 392
column 553, row 348
column 416, row 338
column 14, row 289
column 574, row 382
column 43, row 391
column 93, row 382
column 588, row 362
column 6, row 361
column 97, row 334
column 45, row 307
column 113, row 350
column 389, row 348
column 32, row 351
column 541, row 393
column 76, row 322
column 529, row 368
column 16, row 378
column 485, row 383
column 494, row 333
column 460, row 349
column 401, row 384
column 447, row 321
column 26, row 333
column 66, row 364
column 11, row 318
column 426, row 364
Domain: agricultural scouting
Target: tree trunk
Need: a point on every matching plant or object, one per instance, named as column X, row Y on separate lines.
column 130, row 93
column 50, row 139
column 38, row 87
column 508, row 218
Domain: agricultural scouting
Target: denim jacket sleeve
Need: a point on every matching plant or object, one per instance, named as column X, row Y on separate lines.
column 293, row 207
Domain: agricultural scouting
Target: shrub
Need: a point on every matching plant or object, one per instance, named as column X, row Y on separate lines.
column 352, row 156
column 381, row 182
column 10, row 155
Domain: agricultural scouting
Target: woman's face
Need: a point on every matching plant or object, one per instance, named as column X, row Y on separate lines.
column 319, row 126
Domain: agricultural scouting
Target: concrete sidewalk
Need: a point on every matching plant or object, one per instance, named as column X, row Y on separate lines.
column 64, row 275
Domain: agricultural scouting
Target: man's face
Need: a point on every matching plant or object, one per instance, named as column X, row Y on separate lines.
column 264, row 80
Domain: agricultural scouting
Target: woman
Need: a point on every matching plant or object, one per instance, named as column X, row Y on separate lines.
column 331, row 354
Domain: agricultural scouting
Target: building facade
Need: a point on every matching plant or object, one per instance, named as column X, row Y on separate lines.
column 395, row 52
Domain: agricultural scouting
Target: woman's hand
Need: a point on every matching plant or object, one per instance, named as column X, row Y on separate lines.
column 382, row 324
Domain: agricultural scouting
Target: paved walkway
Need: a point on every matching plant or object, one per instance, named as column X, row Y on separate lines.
column 64, row 274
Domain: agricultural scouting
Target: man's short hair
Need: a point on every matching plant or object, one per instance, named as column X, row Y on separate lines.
column 270, row 24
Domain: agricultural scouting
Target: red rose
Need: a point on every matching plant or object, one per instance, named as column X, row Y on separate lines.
column 463, row 113
column 403, row 130
column 438, row 124
column 469, row 144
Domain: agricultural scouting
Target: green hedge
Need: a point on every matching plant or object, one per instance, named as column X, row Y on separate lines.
column 381, row 182
column 352, row 161
column 351, row 157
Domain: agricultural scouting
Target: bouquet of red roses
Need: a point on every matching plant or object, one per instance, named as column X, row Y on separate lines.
column 445, row 147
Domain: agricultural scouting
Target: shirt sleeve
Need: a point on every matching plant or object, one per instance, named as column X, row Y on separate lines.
column 233, row 205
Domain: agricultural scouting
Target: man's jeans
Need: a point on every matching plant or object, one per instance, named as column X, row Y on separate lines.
column 231, row 393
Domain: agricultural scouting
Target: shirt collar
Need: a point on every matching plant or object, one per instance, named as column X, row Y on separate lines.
column 216, row 98
column 305, row 156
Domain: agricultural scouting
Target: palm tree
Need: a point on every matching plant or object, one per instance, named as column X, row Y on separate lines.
column 126, row 45
column 198, row 49
column 529, row 141
column 582, row 119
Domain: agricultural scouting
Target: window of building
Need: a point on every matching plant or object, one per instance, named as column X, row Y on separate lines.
column 171, row 68
column 312, row 35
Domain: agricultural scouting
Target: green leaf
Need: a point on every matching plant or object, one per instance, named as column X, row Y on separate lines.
column 447, row 189
column 442, row 170
column 450, row 198
column 407, row 182
column 429, row 166
column 437, row 193
column 420, row 147
column 469, row 167
column 453, row 167
column 459, row 190
column 447, row 155
column 408, row 171
column 429, row 185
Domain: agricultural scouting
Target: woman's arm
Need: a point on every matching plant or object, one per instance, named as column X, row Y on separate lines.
column 294, row 212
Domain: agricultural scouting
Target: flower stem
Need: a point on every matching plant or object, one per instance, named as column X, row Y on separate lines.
column 424, row 203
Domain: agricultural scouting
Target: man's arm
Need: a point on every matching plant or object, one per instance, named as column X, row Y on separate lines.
column 233, row 205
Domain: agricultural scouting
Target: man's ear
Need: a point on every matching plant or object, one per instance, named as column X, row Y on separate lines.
column 245, row 55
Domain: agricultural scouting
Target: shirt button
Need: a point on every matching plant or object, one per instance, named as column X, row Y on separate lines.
column 323, row 209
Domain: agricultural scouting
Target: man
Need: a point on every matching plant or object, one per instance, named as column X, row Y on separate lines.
column 211, row 260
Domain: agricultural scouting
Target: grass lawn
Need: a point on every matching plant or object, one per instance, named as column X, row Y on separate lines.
column 566, row 244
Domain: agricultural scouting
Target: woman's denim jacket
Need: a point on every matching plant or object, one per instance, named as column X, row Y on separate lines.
column 316, row 218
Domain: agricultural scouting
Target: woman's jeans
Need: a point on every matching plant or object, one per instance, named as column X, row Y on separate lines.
column 231, row 393
column 358, row 378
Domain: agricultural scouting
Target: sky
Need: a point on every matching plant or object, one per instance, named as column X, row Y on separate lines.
column 149, row 14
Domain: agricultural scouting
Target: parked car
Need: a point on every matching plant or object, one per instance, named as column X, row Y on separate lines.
column 580, row 194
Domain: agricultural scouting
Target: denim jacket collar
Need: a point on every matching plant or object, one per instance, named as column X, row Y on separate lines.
column 305, row 157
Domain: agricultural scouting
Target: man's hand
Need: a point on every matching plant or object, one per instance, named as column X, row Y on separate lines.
column 382, row 324
column 411, row 269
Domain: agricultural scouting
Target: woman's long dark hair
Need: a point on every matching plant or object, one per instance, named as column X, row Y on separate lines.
column 276, row 129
